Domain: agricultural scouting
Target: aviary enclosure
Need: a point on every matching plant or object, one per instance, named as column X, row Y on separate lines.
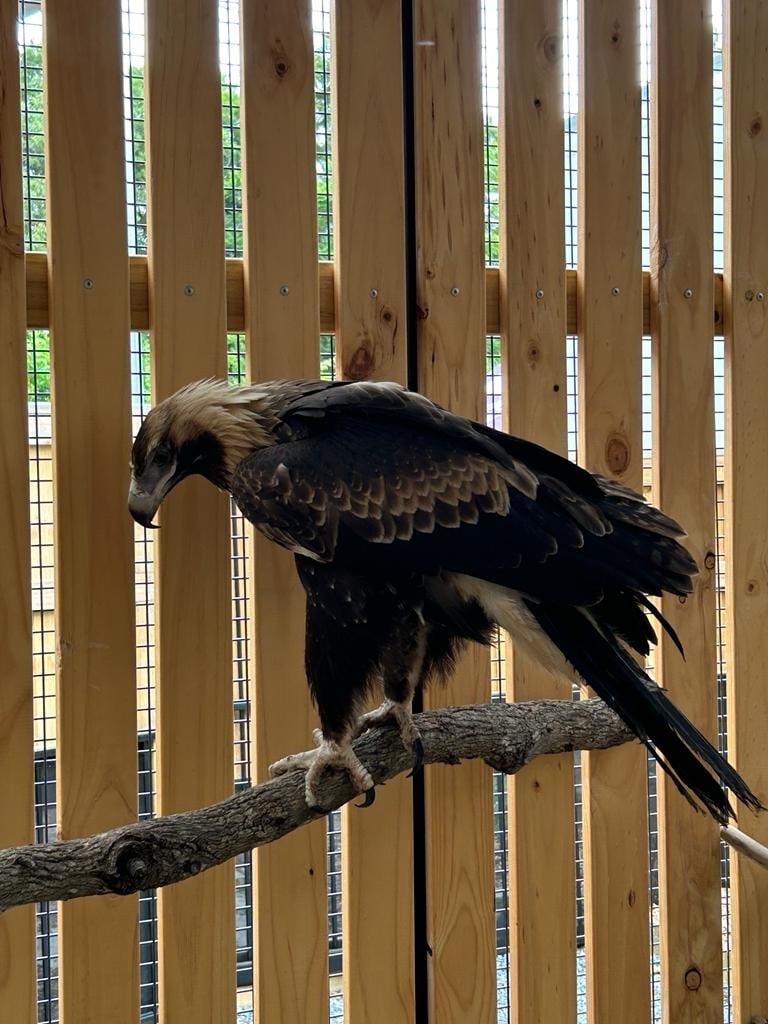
column 552, row 214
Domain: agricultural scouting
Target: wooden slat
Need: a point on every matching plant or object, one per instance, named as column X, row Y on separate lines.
column 37, row 296
column 290, row 929
column 451, row 357
column 746, row 472
column 369, row 214
column 96, row 681
column 194, row 646
column 369, row 202
column 610, row 311
column 684, row 485
column 542, row 879
column 17, row 930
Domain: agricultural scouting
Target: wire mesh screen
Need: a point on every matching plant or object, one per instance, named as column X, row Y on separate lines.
column 136, row 209
column 321, row 39
column 41, row 501
column 493, row 412
column 718, row 156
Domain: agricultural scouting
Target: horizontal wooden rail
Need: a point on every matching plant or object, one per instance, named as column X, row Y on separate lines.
column 38, row 316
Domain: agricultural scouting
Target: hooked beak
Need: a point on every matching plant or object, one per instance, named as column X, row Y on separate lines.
column 146, row 494
column 142, row 506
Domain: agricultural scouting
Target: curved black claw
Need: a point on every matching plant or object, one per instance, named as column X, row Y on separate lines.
column 368, row 797
column 417, row 750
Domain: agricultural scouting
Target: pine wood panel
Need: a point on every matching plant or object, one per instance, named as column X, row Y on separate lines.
column 610, row 314
column 451, row 357
column 369, row 215
column 746, row 472
column 17, row 930
column 193, row 609
column 96, row 698
column 542, row 883
column 290, row 924
column 684, row 485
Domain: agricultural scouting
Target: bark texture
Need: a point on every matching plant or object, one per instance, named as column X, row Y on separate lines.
column 161, row 851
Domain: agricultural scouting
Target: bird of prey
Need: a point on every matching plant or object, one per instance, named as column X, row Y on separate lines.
column 415, row 531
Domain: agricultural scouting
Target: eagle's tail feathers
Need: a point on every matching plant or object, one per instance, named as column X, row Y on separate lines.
column 698, row 770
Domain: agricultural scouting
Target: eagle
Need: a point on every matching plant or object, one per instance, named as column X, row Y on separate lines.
column 416, row 531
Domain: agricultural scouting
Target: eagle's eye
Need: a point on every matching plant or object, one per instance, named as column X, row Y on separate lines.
column 162, row 456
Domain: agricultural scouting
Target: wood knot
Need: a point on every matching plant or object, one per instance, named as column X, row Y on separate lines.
column 709, row 560
column 617, row 455
column 11, row 241
column 422, row 312
column 132, row 864
column 616, row 33
column 386, row 315
column 360, row 362
column 551, row 48
column 631, row 897
column 280, row 60
column 755, row 126
column 534, row 353
column 693, row 979
column 752, row 586
column 429, row 273
column 537, row 102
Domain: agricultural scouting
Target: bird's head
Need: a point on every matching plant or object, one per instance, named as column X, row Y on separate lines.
column 206, row 428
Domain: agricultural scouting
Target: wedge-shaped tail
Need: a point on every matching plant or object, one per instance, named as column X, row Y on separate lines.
column 698, row 770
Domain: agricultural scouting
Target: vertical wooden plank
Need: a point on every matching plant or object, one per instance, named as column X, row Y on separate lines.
column 746, row 471
column 684, row 483
column 610, row 330
column 542, row 882
column 89, row 303
column 451, row 356
column 290, row 923
column 369, row 221
column 17, row 929
column 194, row 645
column 369, row 202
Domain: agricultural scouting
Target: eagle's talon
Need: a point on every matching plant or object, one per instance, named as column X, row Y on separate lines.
column 369, row 795
column 400, row 715
column 417, row 749
column 300, row 762
column 336, row 757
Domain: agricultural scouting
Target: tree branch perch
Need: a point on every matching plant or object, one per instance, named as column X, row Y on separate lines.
column 155, row 853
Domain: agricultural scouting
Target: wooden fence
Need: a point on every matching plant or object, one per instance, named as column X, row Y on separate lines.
column 408, row 297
